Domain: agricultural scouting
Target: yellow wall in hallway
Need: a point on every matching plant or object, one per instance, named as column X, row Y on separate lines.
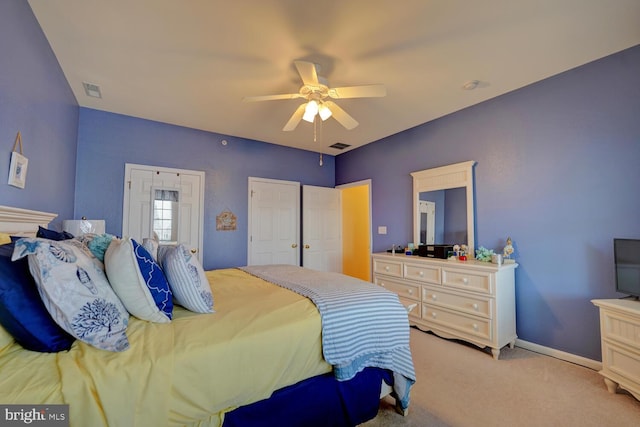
column 356, row 231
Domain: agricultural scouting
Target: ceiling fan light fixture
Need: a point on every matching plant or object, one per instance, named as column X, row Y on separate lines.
column 324, row 112
column 308, row 117
column 310, row 111
column 314, row 90
column 312, row 107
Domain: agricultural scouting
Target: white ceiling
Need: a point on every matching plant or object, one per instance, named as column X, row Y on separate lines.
column 191, row 62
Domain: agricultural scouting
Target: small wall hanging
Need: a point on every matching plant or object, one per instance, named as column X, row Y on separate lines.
column 18, row 166
column 226, row 221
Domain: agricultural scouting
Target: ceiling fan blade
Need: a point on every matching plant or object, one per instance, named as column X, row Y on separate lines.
column 365, row 91
column 308, row 73
column 295, row 118
column 271, row 97
column 341, row 116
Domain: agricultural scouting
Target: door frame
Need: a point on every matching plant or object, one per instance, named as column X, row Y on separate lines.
column 367, row 183
column 127, row 189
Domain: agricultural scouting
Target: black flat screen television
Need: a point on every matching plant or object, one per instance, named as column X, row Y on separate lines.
column 627, row 261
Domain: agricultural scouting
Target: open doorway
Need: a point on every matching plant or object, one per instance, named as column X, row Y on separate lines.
column 356, row 229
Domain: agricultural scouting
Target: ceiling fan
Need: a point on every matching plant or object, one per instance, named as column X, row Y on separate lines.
column 316, row 91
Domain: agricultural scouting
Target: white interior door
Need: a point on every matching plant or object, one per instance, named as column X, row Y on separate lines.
column 142, row 184
column 427, row 222
column 136, row 215
column 322, row 228
column 190, row 226
column 274, row 222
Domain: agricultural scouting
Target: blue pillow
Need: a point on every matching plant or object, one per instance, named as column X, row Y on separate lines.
column 53, row 235
column 138, row 280
column 22, row 312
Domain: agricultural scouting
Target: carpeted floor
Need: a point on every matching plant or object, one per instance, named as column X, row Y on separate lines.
column 459, row 385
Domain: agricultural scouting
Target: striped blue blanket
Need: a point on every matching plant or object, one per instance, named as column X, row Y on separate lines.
column 363, row 325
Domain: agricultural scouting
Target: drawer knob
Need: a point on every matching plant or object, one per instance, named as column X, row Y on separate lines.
column 410, row 291
column 475, row 307
column 465, row 280
column 475, row 326
column 386, row 268
column 434, row 297
column 433, row 315
column 382, row 284
column 421, row 274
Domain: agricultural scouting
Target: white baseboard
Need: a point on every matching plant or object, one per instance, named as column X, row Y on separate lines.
column 547, row 351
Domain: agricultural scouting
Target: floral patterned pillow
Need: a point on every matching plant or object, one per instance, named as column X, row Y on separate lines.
column 76, row 292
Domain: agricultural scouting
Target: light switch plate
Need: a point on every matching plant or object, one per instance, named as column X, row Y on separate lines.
column 382, row 229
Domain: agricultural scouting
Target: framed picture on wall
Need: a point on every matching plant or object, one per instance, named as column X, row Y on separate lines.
column 18, row 170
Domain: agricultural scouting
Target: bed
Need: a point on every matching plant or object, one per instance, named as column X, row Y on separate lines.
column 259, row 359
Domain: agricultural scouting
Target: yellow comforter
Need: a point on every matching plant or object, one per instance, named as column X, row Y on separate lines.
column 188, row 372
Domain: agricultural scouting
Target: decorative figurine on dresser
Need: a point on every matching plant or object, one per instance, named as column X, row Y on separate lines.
column 508, row 251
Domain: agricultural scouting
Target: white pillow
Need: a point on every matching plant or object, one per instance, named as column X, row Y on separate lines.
column 151, row 245
column 76, row 292
column 138, row 280
column 187, row 279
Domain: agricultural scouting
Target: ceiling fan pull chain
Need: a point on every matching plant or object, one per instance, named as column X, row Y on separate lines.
column 315, row 129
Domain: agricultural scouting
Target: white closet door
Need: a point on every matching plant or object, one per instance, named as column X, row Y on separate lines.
column 322, row 228
column 274, row 222
column 191, row 215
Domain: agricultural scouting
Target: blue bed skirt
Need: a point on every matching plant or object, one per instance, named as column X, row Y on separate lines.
column 320, row 401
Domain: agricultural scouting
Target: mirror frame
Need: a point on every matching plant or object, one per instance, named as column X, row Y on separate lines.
column 443, row 178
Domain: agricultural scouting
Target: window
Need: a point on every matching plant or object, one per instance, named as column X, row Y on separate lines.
column 165, row 215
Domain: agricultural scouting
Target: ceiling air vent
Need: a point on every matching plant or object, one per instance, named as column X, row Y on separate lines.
column 92, row 90
column 339, row 146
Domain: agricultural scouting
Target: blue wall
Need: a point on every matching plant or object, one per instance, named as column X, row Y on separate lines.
column 107, row 141
column 36, row 100
column 558, row 170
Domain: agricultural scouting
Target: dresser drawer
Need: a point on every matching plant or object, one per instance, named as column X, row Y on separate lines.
column 391, row 268
column 472, row 326
column 403, row 289
column 422, row 273
column 477, row 305
column 476, row 281
column 619, row 327
column 621, row 362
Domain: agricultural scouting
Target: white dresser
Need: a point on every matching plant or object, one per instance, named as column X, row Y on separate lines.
column 620, row 339
column 468, row 300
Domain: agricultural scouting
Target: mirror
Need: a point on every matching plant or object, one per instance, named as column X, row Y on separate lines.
column 443, row 206
column 443, row 216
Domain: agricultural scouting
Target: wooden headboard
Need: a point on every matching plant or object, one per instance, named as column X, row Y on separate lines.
column 23, row 222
